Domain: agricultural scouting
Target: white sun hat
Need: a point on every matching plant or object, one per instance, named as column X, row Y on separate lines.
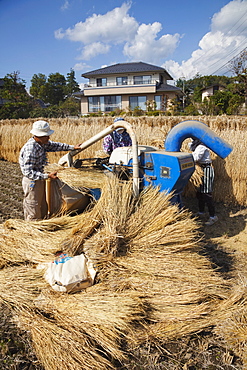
column 120, row 119
column 41, row 128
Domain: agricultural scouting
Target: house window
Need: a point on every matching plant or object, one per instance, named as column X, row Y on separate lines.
column 122, row 80
column 93, row 104
column 104, row 103
column 142, row 80
column 112, row 102
column 137, row 101
column 158, row 99
column 101, row 81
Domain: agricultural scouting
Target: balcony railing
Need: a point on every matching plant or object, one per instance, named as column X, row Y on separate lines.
column 129, row 83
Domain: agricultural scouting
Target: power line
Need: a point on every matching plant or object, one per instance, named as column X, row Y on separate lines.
column 229, row 61
column 229, row 54
column 238, row 21
column 211, row 52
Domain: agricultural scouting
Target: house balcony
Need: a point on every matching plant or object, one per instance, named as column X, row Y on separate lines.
column 129, row 88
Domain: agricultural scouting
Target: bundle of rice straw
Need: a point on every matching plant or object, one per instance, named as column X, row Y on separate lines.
column 152, row 284
column 233, row 326
column 35, row 241
column 89, row 325
column 87, row 177
column 20, row 286
column 194, row 182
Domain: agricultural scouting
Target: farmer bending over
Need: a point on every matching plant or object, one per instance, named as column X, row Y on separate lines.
column 32, row 160
column 116, row 139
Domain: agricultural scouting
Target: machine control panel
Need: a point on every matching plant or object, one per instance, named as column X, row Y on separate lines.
column 165, row 171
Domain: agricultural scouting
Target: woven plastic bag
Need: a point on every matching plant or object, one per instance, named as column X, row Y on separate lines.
column 70, row 274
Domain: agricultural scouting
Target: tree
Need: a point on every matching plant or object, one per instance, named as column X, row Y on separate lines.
column 173, row 108
column 70, row 107
column 17, row 102
column 222, row 102
column 193, row 87
column 235, row 104
column 55, row 89
column 151, row 105
column 191, row 110
column 239, row 64
column 38, row 83
column 71, row 84
column 239, row 67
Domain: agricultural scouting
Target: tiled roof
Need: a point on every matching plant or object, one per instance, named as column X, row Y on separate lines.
column 170, row 88
column 209, row 87
column 78, row 93
column 127, row 68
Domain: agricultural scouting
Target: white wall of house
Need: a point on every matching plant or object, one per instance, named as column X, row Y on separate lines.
column 166, row 99
column 119, row 90
column 210, row 91
column 84, row 105
column 125, row 102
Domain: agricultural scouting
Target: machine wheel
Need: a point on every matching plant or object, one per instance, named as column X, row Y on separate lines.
column 77, row 163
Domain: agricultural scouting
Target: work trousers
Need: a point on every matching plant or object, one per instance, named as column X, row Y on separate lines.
column 206, row 199
column 34, row 203
column 204, row 193
column 207, row 179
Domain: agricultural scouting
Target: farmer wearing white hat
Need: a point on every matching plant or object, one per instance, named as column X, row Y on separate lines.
column 32, row 160
column 116, row 139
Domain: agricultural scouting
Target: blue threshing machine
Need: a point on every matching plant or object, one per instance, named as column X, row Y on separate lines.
column 169, row 169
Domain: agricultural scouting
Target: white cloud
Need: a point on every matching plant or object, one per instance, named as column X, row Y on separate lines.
column 115, row 26
column 81, row 67
column 96, row 48
column 145, row 46
column 100, row 32
column 231, row 19
column 65, row 5
column 225, row 40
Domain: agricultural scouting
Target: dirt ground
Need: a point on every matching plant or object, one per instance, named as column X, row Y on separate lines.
column 11, row 194
column 224, row 243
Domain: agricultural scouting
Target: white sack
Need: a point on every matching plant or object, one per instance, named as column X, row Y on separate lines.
column 70, row 274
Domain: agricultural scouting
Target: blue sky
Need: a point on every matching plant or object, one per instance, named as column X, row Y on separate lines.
column 183, row 36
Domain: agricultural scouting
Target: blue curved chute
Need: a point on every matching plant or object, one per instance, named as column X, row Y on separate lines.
column 196, row 130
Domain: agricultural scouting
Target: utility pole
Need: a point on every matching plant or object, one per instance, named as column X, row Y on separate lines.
column 183, row 79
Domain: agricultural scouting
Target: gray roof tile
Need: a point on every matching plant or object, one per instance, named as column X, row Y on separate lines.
column 170, row 88
column 127, row 68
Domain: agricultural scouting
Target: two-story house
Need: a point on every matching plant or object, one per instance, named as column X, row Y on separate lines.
column 127, row 86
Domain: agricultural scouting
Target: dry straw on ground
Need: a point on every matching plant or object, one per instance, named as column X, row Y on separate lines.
column 152, row 285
